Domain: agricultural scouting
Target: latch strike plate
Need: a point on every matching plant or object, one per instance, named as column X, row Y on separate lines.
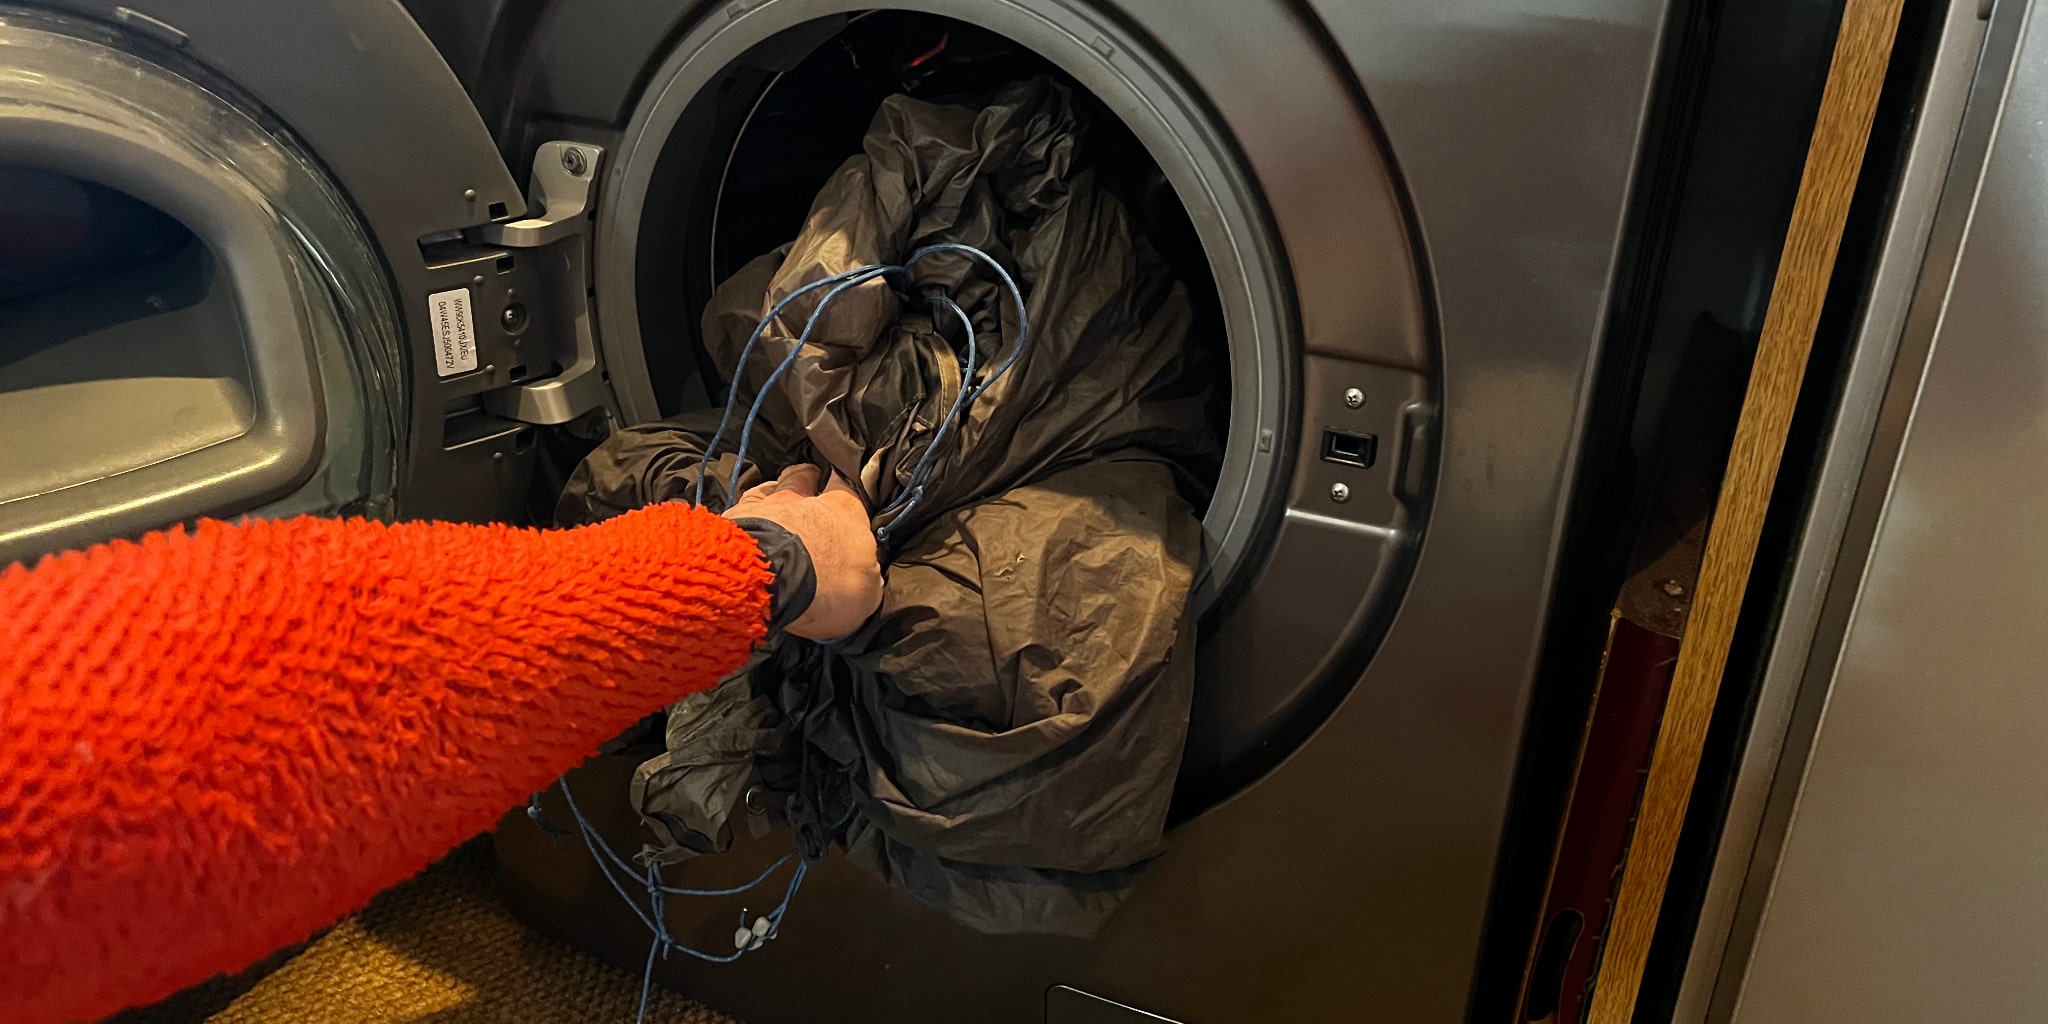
column 561, row 197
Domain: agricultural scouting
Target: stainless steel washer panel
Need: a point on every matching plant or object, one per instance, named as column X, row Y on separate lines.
column 1908, row 882
column 1350, row 883
column 1284, row 180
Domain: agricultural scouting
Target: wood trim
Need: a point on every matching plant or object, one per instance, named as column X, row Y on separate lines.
column 1841, row 132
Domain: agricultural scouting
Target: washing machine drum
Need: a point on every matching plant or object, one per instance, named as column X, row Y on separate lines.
column 331, row 305
column 1095, row 625
column 1307, row 303
column 1002, row 739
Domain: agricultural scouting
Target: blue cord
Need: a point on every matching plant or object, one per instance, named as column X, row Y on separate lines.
column 913, row 491
column 655, row 916
column 1016, row 298
column 747, row 350
column 754, row 410
column 615, row 868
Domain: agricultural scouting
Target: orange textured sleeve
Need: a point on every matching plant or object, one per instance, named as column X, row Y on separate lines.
column 214, row 742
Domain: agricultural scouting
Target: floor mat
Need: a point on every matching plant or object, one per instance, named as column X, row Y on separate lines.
column 440, row 949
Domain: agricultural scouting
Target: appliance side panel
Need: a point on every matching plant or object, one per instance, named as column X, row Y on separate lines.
column 1912, row 874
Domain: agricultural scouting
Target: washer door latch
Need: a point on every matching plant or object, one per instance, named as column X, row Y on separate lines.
column 560, row 201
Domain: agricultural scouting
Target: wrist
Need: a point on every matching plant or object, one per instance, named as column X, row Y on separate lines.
column 796, row 578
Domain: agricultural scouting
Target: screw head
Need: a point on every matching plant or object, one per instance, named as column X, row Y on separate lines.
column 1340, row 493
column 513, row 319
column 1354, row 397
column 574, row 161
column 469, row 194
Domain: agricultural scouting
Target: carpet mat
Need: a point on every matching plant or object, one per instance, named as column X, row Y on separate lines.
column 440, row 949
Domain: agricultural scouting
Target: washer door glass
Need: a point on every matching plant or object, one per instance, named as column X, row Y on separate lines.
column 192, row 320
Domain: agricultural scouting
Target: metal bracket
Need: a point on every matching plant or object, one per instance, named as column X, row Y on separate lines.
column 562, row 195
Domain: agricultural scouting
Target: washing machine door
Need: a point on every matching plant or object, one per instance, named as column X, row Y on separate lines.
column 263, row 257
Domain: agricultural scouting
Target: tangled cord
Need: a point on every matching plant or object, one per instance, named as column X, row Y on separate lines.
column 617, row 870
column 749, row 936
column 913, row 491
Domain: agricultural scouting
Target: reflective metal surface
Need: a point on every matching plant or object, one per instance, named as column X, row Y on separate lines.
column 1352, row 882
column 1833, row 541
column 1912, row 868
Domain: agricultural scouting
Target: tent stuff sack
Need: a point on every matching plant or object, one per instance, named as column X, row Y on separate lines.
column 1001, row 739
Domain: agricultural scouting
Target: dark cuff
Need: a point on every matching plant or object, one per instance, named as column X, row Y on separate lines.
column 796, row 581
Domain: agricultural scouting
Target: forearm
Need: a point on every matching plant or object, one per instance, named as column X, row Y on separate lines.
column 217, row 742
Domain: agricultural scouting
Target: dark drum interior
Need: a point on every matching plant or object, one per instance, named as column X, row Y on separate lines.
column 777, row 136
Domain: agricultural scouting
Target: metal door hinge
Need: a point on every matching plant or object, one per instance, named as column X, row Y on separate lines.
column 561, row 198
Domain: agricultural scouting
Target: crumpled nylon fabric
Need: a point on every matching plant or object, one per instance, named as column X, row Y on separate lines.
column 1001, row 739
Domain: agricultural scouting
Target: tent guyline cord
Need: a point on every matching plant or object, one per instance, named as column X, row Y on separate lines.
column 748, row 937
column 616, row 869
column 913, row 492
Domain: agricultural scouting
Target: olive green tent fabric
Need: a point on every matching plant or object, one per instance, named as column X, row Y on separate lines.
column 1001, row 739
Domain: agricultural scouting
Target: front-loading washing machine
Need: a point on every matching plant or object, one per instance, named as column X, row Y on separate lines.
column 279, row 258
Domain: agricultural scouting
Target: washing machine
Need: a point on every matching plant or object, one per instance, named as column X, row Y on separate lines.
column 354, row 258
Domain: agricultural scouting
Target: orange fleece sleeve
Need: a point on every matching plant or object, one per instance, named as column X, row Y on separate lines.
column 212, row 743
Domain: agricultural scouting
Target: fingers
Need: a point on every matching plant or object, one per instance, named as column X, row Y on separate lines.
column 838, row 484
column 802, row 478
column 795, row 483
column 833, row 527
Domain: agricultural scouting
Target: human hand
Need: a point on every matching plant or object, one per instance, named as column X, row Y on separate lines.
column 833, row 527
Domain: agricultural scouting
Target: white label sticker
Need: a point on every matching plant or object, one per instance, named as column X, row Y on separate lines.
column 454, row 331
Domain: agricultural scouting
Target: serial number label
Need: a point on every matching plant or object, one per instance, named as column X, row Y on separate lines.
column 454, row 331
